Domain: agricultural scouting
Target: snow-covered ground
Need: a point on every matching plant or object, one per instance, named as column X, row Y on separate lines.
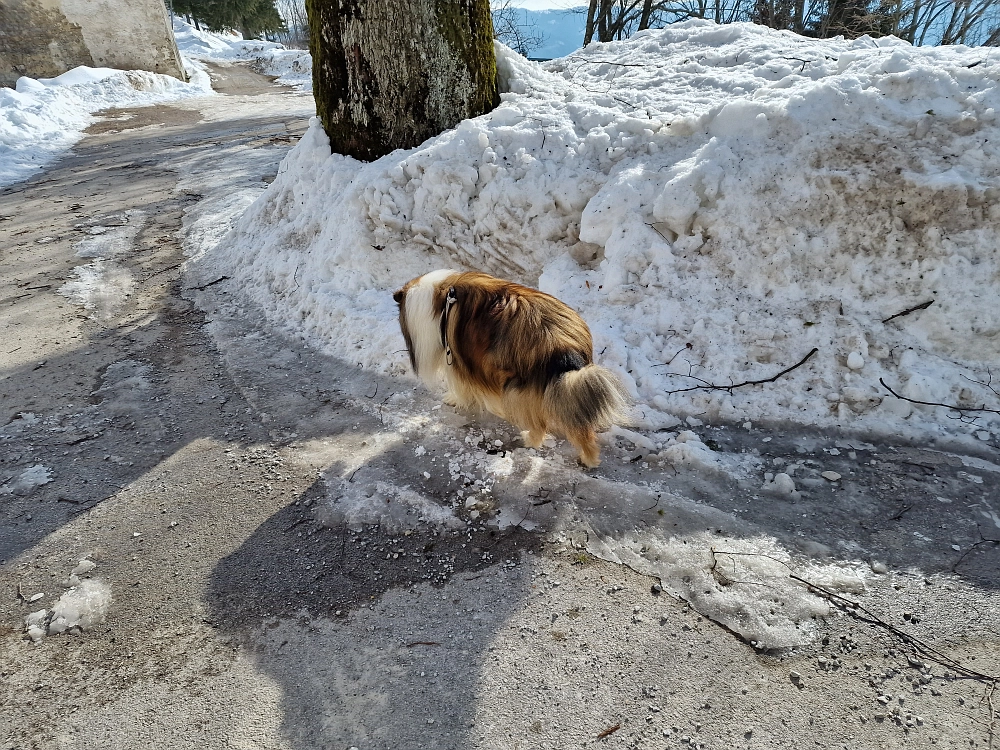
column 717, row 201
column 293, row 67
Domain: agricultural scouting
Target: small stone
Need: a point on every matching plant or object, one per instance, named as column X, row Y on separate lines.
column 855, row 361
column 794, row 676
column 830, row 476
column 36, row 597
column 879, row 567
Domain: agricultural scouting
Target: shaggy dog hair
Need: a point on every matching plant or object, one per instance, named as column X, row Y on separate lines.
column 513, row 351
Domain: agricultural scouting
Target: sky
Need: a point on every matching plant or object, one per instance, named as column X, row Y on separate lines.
column 545, row 4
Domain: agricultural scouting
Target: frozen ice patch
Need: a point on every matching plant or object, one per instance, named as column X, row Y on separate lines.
column 382, row 504
column 28, row 481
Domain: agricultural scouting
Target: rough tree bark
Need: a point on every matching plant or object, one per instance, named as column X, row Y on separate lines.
column 390, row 74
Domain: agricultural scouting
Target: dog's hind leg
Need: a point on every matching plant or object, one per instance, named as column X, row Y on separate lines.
column 524, row 409
column 533, row 438
column 585, row 441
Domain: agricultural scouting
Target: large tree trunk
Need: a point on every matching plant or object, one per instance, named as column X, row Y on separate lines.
column 390, row 74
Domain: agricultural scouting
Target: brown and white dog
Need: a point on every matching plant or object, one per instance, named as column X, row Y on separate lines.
column 513, row 351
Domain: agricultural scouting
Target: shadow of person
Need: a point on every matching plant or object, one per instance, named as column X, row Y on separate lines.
column 376, row 633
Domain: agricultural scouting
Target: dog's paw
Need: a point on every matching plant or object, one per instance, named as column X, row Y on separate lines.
column 532, row 439
column 452, row 400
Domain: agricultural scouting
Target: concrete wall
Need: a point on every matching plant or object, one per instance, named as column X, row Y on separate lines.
column 43, row 38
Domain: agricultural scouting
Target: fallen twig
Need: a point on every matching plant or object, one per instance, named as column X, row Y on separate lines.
column 988, row 698
column 900, row 514
column 982, row 540
column 733, row 386
column 609, row 731
column 163, row 270
column 953, row 407
column 669, row 361
column 84, row 439
column 422, row 643
column 211, row 283
column 921, row 306
column 988, row 383
column 856, row 610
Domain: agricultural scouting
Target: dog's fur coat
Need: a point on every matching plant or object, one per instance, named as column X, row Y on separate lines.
column 512, row 350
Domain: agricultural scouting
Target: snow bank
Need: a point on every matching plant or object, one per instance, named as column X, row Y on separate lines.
column 715, row 200
column 293, row 67
column 41, row 119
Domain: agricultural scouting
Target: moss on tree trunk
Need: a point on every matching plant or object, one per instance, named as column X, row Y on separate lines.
column 390, row 74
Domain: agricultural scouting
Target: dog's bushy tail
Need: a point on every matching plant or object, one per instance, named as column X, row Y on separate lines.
column 591, row 398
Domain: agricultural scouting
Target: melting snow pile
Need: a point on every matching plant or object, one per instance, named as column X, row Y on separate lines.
column 293, row 67
column 104, row 283
column 83, row 606
column 41, row 119
column 716, row 201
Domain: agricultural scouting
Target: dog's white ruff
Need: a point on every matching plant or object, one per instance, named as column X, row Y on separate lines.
column 424, row 325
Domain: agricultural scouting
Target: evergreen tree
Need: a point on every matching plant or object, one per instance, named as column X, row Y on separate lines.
column 250, row 17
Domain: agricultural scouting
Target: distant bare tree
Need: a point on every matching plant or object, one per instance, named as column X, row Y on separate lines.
column 296, row 34
column 619, row 19
column 920, row 22
column 513, row 27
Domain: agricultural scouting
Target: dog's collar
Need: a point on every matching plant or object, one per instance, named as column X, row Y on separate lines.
column 448, row 302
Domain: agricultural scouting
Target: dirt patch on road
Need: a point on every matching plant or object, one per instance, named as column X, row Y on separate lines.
column 115, row 119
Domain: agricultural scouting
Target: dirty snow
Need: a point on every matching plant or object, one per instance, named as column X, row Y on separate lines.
column 105, row 283
column 293, row 67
